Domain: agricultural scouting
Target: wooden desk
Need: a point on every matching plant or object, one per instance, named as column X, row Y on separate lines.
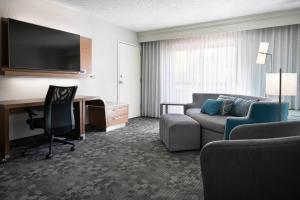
column 13, row 106
column 107, row 115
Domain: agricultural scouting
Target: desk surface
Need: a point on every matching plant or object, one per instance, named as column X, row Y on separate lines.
column 20, row 103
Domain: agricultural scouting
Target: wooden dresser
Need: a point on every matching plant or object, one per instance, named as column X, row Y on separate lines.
column 107, row 115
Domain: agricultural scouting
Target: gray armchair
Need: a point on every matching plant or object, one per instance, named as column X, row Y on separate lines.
column 253, row 169
column 256, row 168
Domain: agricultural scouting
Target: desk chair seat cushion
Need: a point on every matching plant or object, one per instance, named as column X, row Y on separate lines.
column 40, row 123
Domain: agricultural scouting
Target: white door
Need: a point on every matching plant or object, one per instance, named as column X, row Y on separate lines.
column 129, row 77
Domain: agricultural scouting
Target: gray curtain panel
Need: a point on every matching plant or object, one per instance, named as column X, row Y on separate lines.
column 150, row 79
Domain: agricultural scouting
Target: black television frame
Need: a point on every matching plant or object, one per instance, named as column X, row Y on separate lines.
column 6, row 59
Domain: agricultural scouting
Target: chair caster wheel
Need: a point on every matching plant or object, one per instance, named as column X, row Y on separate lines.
column 72, row 148
column 3, row 160
column 23, row 154
column 49, row 156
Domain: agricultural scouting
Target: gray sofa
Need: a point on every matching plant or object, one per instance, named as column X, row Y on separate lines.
column 212, row 127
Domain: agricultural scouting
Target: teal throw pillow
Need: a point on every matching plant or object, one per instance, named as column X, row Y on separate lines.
column 211, row 106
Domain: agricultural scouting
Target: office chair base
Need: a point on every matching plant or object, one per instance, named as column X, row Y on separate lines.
column 73, row 148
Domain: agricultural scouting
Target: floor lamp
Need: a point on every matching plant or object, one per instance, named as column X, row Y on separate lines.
column 278, row 84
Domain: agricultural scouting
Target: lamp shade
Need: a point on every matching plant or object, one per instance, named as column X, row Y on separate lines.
column 262, row 53
column 261, row 58
column 263, row 47
column 288, row 84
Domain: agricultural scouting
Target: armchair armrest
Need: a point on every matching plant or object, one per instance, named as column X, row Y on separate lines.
column 266, row 130
column 233, row 122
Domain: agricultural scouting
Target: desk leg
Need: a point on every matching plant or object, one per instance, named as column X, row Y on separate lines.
column 167, row 109
column 161, row 109
column 4, row 134
column 78, row 119
column 82, row 120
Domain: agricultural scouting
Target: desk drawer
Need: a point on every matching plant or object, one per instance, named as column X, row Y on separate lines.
column 114, row 120
column 117, row 111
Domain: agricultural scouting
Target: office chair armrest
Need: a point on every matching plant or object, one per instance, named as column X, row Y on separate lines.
column 31, row 113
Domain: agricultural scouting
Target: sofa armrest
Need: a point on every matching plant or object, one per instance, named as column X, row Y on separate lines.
column 191, row 105
column 266, row 130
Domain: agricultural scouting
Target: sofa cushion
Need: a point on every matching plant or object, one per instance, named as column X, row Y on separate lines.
column 212, row 106
column 214, row 123
column 227, row 104
column 193, row 111
column 232, row 98
column 241, row 107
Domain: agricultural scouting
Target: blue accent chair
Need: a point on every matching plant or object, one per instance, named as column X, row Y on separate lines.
column 260, row 112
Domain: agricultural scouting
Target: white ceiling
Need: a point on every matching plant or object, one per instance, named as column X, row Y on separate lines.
column 143, row 15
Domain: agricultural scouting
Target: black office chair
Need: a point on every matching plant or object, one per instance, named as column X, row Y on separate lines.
column 58, row 120
column 251, row 169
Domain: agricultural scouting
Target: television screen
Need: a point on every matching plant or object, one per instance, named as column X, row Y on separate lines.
column 40, row 48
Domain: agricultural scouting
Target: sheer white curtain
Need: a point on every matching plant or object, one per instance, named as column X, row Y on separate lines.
column 222, row 63
column 226, row 63
column 205, row 64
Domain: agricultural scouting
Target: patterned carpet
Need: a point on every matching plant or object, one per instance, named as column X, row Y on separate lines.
column 128, row 163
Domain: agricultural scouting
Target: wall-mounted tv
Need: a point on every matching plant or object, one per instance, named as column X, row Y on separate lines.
column 36, row 47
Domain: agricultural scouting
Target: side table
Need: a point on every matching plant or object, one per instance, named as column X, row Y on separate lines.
column 166, row 106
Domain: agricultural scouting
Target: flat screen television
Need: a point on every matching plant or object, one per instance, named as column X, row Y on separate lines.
column 36, row 47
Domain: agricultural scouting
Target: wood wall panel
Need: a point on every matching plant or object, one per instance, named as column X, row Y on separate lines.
column 86, row 54
column 4, row 44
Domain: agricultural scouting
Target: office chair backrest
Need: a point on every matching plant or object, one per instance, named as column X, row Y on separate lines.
column 58, row 108
column 251, row 169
